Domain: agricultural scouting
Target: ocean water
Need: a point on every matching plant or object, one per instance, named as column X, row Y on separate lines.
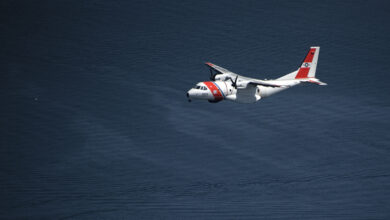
column 94, row 122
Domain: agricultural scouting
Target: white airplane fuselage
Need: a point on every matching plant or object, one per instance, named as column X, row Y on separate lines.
column 215, row 91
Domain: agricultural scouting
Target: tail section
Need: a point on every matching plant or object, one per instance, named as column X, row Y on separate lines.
column 309, row 64
column 307, row 70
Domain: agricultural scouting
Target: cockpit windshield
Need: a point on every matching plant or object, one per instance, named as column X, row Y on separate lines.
column 200, row 87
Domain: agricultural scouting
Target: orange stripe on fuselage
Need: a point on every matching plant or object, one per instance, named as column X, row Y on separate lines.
column 214, row 90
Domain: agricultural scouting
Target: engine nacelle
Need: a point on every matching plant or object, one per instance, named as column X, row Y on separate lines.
column 221, row 77
column 242, row 85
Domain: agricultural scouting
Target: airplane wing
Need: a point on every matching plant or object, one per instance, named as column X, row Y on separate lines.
column 242, row 80
column 263, row 83
column 219, row 69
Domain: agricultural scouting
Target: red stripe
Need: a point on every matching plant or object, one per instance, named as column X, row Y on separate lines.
column 214, row 90
column 310, row 55
column 302, row 73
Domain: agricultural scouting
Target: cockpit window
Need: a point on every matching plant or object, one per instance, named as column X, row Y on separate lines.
column 200, row 87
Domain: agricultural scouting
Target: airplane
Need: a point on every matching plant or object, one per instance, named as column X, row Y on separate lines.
column 226, row 85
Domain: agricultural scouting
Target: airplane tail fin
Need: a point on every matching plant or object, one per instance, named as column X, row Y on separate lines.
column 309, row 65
column 307, row 70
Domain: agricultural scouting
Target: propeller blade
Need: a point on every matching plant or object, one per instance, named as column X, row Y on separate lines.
column 212, row 76
column 234, row 83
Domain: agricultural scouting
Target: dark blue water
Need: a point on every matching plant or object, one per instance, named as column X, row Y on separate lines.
column 94, row 122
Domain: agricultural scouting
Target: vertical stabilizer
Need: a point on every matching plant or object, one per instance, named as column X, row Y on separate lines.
column 308, row 67
column 309, row 64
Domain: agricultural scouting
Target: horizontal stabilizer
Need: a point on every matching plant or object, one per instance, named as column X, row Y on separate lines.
column 314, row 80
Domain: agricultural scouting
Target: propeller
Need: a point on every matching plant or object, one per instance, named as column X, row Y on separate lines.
column 234, row 83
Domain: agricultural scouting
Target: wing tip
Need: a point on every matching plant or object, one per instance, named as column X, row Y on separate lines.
column 209, row 64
